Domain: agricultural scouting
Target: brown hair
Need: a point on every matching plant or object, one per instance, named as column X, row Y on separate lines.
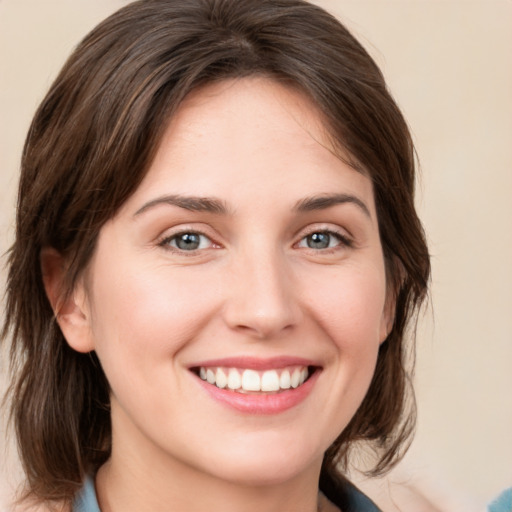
column 90, row 145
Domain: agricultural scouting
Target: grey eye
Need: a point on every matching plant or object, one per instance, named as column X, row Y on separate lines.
column 318, row 240
column 321, row 240
column 189, row 241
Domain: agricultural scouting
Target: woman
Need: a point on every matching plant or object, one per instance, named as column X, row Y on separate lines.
column 216, row 260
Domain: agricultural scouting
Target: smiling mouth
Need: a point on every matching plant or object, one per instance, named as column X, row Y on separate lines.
column 249, row 381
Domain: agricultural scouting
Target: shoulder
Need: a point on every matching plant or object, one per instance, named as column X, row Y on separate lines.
column 503, row 502
column 325, row 505
column 345, row 495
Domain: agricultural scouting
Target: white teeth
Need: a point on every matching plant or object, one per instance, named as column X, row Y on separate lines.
column 234, row 379
column 221, row 380
column 295, row 379
column 210, row 376
column 270, row 381
column 251, row 381
column 284, row 381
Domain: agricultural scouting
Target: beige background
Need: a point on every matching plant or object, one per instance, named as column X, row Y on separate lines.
column 449, row 64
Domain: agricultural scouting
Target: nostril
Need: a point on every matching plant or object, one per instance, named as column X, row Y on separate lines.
column 261, row 302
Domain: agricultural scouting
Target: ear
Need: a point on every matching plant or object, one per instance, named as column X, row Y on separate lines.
column 394, row 286
column 71, row 310
column 388, row 317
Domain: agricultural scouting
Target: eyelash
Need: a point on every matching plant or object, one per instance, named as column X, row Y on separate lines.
column 343, row 239
column 167, row 240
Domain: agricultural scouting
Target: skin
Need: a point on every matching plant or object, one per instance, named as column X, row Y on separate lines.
column 254, row 287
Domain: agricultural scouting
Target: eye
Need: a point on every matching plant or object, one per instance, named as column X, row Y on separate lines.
column 187, row 241
column 320, row 240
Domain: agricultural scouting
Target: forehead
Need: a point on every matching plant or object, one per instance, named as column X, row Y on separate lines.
column 248, row 135
column 255, row 112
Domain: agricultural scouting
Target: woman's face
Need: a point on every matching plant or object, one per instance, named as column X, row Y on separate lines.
column 249, row 256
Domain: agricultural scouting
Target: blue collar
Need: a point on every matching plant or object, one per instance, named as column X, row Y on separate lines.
column 85, row 500
column 351, row 500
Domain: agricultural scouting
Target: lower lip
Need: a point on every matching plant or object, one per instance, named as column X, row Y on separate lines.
column 272, row 403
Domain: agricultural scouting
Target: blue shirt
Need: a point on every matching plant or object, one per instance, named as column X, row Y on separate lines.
column 503, row 503
column 86, row 501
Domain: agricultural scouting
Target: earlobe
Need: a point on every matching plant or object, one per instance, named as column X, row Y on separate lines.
column 71, row 310
column 393, row 290
column 388, row 317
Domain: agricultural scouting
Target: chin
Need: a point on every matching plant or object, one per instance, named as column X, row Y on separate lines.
column 262, row 475
column 266, row 463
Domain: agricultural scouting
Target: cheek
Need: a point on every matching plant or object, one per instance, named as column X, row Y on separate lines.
column 347, row 305
column 149, row 313
column 350, row 306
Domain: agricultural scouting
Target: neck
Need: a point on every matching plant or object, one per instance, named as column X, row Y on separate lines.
column 186, row 490
column 139, row 477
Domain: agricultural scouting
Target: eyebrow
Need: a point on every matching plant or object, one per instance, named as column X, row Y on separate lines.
column 192, row 203
column 324, row 201
column 217, row 206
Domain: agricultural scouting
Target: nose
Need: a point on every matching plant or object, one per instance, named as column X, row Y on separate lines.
column 261, row 298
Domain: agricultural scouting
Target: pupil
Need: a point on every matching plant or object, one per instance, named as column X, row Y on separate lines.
column 188, row 241
column 318, row 241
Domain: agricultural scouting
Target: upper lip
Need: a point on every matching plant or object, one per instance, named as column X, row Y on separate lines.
column 256, row 363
